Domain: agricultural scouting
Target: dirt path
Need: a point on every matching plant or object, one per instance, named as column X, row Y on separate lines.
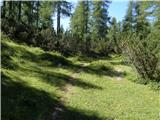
column 66, row 89
column 120, row 77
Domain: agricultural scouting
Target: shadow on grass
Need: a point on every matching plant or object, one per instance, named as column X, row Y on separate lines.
column 120, row 63
column 59, row 79
column 92, row 58
column 72, row 114
column 61, row 61
column 52, row 60
column 10, row 51
column 55, row 59
column 6, row 54
column 22, row 102
column 100, row 70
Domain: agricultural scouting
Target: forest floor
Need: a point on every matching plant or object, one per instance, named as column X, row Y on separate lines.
column 38, row 85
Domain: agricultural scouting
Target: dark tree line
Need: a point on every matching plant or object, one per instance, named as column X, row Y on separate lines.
column 31, row 22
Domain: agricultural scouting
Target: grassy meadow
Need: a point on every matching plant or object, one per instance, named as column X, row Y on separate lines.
column 39, row 85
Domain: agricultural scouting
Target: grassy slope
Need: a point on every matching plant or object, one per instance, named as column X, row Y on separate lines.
column 34, row 82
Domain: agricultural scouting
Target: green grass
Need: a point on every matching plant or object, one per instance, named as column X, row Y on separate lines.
column 35, row 82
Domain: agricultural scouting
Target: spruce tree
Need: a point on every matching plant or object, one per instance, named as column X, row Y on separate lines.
column 114, row 35
column 100, row 18
column 19, row 10
column 128, row 20
column 62, row 8
column 141, row 24
column 80, row 24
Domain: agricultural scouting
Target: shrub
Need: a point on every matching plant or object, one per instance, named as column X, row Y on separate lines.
column 45, row 39
column 142, row 56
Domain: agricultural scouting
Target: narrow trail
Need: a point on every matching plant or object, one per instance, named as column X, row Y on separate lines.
column 120, row 77
column 66, row 89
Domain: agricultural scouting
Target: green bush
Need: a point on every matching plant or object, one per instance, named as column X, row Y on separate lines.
column 46, row 39
column 142, row 55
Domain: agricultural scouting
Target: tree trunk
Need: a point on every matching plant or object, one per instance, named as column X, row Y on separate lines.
column 58, row 18
column 4, row 9
column 37, row 14
column 10, row 8
column 19, row 11
column 87, row 14
column 87, row 41
column 30, row 19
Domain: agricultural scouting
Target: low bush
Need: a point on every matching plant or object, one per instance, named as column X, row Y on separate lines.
column 142, row 56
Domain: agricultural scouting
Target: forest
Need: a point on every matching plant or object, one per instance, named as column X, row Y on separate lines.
column 99, row 68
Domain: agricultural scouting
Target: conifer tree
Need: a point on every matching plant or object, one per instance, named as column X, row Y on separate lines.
column 141, row 24
column 62, row 8
column 100, row 18
column 128, row 21
column 114, row 35
column 19, row 10
column 79, row 24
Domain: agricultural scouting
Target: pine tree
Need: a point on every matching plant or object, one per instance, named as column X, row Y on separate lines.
column 10, row 8
column 128, row 21
column 19, row 10
column 3, row 15
column 100, row 26
column 37, row 9
column 141, row 23
column 80, row 25
column 157, row 14
column 100, row 18
column 114, row 35
column 62, row 8
column 45, row 14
